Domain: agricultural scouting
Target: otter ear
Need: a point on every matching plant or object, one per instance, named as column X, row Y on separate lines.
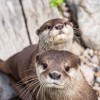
column 37, row 58
column 38, row 32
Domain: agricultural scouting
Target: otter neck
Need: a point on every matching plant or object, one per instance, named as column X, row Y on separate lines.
column 44, row 46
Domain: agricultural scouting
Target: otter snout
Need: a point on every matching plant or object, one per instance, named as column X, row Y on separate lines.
column 55, row 75
column 59, row 26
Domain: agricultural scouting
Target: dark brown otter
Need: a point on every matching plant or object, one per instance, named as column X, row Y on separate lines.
column 53, row 75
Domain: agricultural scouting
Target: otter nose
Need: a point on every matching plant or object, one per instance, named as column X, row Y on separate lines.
column 54, row 75
column 59, row 26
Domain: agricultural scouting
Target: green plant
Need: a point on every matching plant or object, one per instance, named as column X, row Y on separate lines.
column 56, row 2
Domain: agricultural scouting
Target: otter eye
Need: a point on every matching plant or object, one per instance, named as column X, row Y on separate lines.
column 48, row 27
column 44, row 65
column 67, row 68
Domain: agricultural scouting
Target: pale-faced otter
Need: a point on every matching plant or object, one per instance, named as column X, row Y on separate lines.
column 53, row 75
column 56, row 34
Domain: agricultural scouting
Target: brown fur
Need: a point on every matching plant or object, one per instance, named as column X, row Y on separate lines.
column 21, row 65
column 52, row 23
column 52, row 37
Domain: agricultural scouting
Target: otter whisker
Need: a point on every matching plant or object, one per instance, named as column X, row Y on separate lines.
column 27, row 78
column 27, row 88
column 20, row 84
column 30, row 87
column 44, row 91
column 39, row 90
column 33, row 84
column 77, row 33
column 35, row 88
column 59, row 98
column 50, row 89
column 33, row 80
column 41, row 95
column 76, row 29
column 21, row 95
column 30, row 97
column 23, row 79
column 50, row 93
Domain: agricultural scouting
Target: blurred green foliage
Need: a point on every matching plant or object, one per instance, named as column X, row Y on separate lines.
column 56, row 2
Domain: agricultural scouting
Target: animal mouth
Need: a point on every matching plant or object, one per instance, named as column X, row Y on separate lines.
column 55, row 85
column 61, row 32
column 59, row 38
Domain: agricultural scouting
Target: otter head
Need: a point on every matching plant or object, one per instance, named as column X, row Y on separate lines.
column 55, row 34
column 57, row 69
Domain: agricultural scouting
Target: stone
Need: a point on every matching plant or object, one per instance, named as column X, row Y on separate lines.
column 88, row 73
column 96, row 88
column 97, row 77
column 98, row 80
column 76, row 48
column 97, row 74
column 13, row 33
column 88, row 21
column 95, row 59
column 91, row 53
column 13, row 38
column 6, row 91
column 96, row 68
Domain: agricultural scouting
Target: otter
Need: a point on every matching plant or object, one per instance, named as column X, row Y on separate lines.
column 52, row 75
column 55, row 34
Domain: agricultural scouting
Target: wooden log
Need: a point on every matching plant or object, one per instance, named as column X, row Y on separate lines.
column 13, row 34
column 13, row 38
column 36, row 13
